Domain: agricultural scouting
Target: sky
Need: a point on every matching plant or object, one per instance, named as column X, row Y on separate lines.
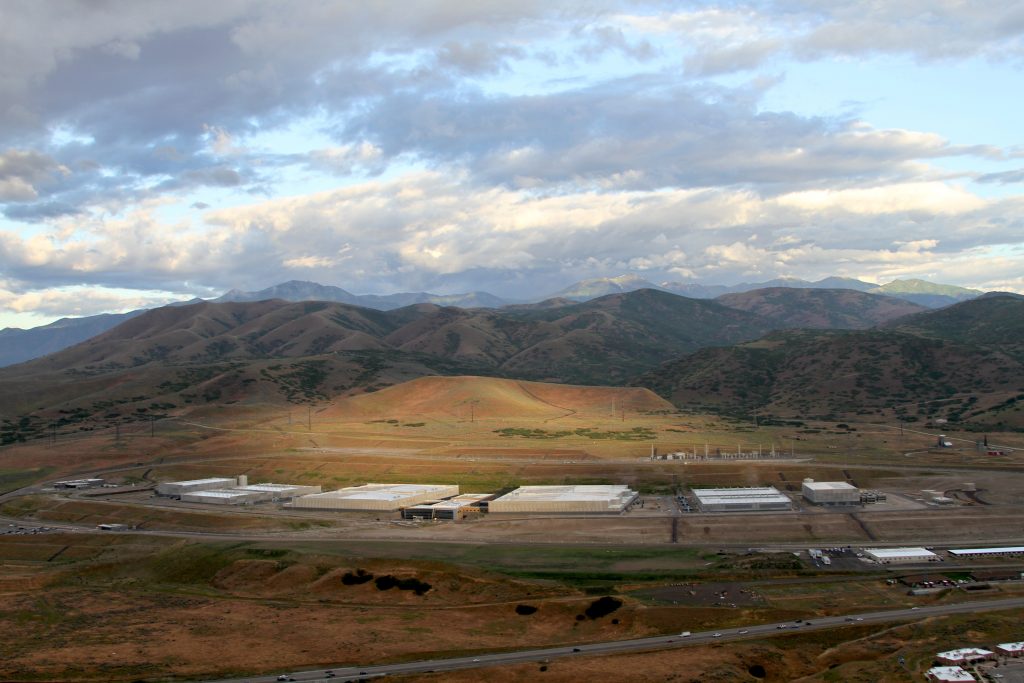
column 158, row 151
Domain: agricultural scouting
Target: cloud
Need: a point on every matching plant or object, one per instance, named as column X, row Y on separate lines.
column 512, row 146
column 627, row 134
column 22, row 171
column 1003, row 177
column 77, row 301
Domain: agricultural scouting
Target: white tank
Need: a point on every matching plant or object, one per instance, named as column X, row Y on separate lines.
column 243, row 480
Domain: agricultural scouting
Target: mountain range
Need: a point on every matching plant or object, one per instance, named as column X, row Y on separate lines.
column 963, row 362
column 17, row 345
column 689, row 350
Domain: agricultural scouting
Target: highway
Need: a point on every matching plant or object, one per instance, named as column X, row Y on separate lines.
column 540, row 655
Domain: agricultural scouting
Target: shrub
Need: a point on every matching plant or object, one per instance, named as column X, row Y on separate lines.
column 602, row 607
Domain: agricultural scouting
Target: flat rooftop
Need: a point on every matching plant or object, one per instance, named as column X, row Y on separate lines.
column 579, row 492
column 752, row 494
column 900, row 552
column 965, row 653
column 220, row 493
column 830, row 486
column 987, row 551
column 1011, row 647
column 267, row 488
column 950, row 673
column 208, row 480
column 386, row 492
column 459, row 501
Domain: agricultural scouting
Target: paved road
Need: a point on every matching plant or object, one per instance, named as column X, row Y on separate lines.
column 641, row 644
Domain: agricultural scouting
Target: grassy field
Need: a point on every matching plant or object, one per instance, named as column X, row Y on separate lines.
column 231, row 608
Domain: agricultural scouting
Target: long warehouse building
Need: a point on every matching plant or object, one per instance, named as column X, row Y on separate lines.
column 177, row 488
column 584, row 498
column 250, row 493
column 901, row 555
column 743, row 499
column 979, row 553
column 375, row 497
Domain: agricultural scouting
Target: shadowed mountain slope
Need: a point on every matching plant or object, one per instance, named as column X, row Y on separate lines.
column 878, row 373
column 820, row 308
column 994, row 320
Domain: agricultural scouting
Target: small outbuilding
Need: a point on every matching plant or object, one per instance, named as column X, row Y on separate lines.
column 450, row 509
column 78, row 484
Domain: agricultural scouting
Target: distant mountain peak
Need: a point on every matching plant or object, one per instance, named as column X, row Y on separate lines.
column 600, row 286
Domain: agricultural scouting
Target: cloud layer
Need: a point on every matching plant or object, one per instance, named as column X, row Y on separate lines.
column 185, row 148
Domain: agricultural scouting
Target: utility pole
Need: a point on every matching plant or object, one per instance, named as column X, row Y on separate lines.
column 309, row 417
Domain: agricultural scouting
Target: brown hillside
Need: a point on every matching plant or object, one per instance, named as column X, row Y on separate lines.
column 820, row 308
column 494, row 398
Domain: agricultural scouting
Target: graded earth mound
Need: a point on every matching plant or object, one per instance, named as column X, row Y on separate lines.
column 488, row 397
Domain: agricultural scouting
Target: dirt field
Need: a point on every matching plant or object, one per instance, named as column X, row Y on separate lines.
column 124, row 606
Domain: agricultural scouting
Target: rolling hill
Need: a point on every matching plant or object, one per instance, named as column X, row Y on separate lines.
column 454, row 397
column 276, row 351
column 820, row 308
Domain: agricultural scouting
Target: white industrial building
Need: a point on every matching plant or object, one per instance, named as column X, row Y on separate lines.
column 900, row 555
column 222, row 497
column 980, row 553
column 176, row 488
column 375, row 497
column 449, row 509
column 743, row 499
column 949, row 674
column 1011, row 649
column 250, row 493
column 831, row 492
column 965, row 655
column 583, row 498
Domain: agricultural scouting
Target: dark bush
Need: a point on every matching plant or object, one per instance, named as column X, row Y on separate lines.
column 387, row 582
column 525, row 609
column 602, row 607
column 757, row 671
column 361, row 576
